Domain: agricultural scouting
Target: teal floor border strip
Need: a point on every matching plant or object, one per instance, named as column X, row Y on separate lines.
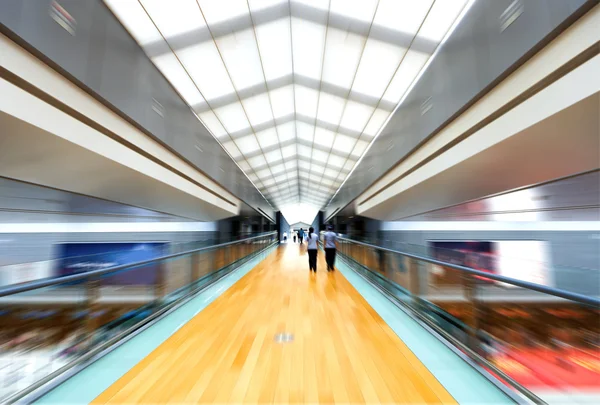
column 464, row 383
column 86, row 385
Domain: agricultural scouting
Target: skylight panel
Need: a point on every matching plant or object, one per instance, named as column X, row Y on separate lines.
column 286, row 132
column 376, row 121
column 282, row 100
column 274, row 44
column 440, row 19
column 316, row 4
column 288, row 151
column 319, row 168
column 244, row 166
column 343, row 144
column 342, row 55
column 267, row 137
column 258, row 5
column 304, row 151
column 268, row 182
column 240, row 79
column 335, row 161
column 278, row 168
column 359, row 149
column 232, row 149
column 232, row 117
column 247, row 144
column 258, row 109
column 330, row 108
column 406, row 74
column 174, row 18
column 306, row 101
column 222, row 10
column 210, row 121
column 356, row 116
column 308, row 39
column 257, row 161
column 264, row 173
column 377, row 67
column 136, row 21
column 273, row 156
column 319, row 156
column 361, row 10
column 324, row 137
column 305, row 131
column 401, row 15
column 241, row 58
column 203, row 63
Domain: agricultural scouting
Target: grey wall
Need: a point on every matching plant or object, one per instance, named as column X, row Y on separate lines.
column 105, row 60
column 473, row 57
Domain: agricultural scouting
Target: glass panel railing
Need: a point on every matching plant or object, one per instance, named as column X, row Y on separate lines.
column 48, row 325
column 540, row 341
column 73, row 258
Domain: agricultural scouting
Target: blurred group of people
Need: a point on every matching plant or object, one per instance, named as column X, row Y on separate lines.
column 295, row 235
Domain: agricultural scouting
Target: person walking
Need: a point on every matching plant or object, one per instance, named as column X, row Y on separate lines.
column 330, row 244
column 301, row 235
column 284, row 237
column 294, row 233
column 312, row 249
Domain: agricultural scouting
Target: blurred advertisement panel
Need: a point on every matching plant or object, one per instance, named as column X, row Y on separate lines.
column 75, row 258
column 522, row 260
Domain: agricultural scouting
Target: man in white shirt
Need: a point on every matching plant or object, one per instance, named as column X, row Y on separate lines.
column 330, row 244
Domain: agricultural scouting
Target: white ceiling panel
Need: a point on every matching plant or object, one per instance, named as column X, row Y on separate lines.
column 267, row 137
column 294, row 100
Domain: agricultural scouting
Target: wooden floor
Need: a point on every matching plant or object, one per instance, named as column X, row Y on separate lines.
column 342, row 351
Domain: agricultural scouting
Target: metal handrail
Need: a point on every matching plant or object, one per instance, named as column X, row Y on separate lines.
column 571, row 296
column 34, row 285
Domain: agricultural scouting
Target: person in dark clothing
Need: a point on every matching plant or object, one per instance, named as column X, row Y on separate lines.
column 312, row 249
column 301, row 235
column 330, row 244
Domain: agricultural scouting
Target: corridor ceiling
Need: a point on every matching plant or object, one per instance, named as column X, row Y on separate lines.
column 294, row 90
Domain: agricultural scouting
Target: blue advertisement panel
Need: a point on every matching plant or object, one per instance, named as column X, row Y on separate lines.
column 75, row 258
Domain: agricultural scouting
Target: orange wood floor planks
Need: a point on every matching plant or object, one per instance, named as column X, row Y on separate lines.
column 341, row 352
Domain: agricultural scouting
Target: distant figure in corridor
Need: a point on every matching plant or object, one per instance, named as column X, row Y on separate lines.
column 285, row 237
column 301, row 235
column 294, row 233
column 330, row 242
column 311, row 241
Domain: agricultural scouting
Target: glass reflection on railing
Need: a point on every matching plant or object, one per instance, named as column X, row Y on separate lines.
column 45, row 329
column 548, row 344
